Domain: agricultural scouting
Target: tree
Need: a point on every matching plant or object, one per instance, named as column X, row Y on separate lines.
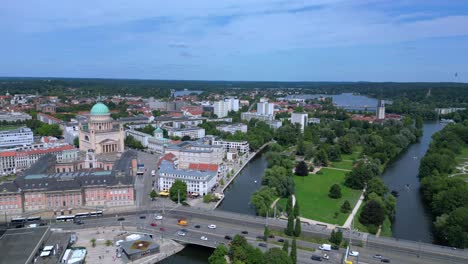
column 266, row 233
column 153, row 194
column 346, row 207
column 178, row 188
column 372, row 213
column 297, row 228
column 301, row 169
column 286, row 246
column 300, row 148
column 289, row 206
column 262, row 200
column 276, row 256
column 290, row 227
column 93, row 242
column 336, row 237
column 218, row 256
column 293, row 252
column 335, row 191
column 376, row 185
column 76, row 142
column 279, row 179
column 321, row 158
column 296, row 209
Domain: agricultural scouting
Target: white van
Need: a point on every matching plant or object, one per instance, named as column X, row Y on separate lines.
column 153, row 173
column 326, row 247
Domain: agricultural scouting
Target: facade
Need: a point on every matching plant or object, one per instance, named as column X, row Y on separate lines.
column 265, row 108
column 16, row 137
column 301, row 119
column 199, row 182
column 442, row 111
column 65, row 191
column 192, row 132
column 70, row 133
column 275, row 124
column 11, row 161
column 232, row 128
column 239, row 146
column 48, row 119
column 380, row 114
column 14, row 116
column 155, row 143
column 101, row 134
column 233, row 104
column 221, row 108
column 46, row 108
column 249, row 115
column 195, row 152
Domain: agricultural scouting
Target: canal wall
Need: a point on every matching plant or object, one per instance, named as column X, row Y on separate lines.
column 252, row 155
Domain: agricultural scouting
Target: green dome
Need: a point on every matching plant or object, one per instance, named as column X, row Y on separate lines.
column 158, row 130
column 99, row 109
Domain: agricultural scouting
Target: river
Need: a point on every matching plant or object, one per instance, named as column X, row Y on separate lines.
column 412, row 221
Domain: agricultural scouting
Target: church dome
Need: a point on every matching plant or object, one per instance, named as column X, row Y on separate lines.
column 99, row 109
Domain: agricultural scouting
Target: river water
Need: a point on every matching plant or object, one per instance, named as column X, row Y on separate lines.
column 412, row 221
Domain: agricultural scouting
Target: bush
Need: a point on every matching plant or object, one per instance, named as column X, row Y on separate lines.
column 301, row 169
column 346, row 207
column 335, row 191
column 208, row 198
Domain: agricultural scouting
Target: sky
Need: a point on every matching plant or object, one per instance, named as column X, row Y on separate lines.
column 263, row 40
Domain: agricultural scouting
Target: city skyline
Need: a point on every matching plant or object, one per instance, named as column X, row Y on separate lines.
column 237, row 40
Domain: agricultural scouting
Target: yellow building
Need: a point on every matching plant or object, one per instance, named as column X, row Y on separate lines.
column 101, row 134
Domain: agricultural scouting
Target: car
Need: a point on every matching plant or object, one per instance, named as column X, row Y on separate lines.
column 142, row 216
column 197, row 226
column 158, row 217
column 316, row 258
column 335, row 247
column 212, row 226
column 79, row 222
column 325, row 256
column 153, row 224
column 121, row 219
column 353, row 253
column 228, row 237
column 271, row 236
column 378, row 256
column 262, row 245
column 281, row 240
column 180, row 233
column 260, row 237
column 244, row 232
column 162, row 229
column 204, row 238
column 184, row 230
column 385, row 260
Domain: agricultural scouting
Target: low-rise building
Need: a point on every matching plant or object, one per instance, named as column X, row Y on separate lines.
column 249, row 115
column 239, row 146
column 196, row 152
column 16, row 137
column 48, row 119
column 232, row 128
column 198, row 182
column 192, row 132
column 14, row 116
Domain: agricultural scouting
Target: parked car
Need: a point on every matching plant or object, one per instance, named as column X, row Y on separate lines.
column 228, row 237
column 244, row 232
column 271, row 236
column 262, row 245
column 197, row 226
column 335, row 247
column 378, row 256
column 204, row 238
column 353, row 253
column 142, row 216
column 180, row 233
column 212, row 226
column 121, row 219
column 158, row 217
column 385, row 260
column 281, row 240
column 153, row 224
column 316, row 258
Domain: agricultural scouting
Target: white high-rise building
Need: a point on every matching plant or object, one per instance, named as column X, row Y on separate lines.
column 265, row 108
column 381, row 110
column 233, row 104
column 300, row 118
column 221, row 108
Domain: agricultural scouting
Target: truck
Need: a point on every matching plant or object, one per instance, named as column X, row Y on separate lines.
column 182, row 222
column 326, row 247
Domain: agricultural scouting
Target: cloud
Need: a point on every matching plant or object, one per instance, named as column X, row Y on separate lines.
column 178, row 45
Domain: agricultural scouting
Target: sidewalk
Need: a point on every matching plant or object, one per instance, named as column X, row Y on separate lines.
column 348, row 222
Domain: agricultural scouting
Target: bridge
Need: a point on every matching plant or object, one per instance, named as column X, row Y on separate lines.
column 231, row 223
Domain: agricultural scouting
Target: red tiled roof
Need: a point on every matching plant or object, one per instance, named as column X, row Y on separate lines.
column 44, row 151
column 169, row 157
column 203, row 166
column 7, row 154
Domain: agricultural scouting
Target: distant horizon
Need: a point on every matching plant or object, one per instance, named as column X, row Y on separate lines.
column 214, row 80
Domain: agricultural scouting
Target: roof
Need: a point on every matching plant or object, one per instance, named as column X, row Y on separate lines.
column 203, row 167
column 137, row 246
column 99, row 109
column 168, row 168
column 18, row 245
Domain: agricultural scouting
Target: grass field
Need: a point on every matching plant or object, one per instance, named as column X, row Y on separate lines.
column 347, row 159
column 312, row 194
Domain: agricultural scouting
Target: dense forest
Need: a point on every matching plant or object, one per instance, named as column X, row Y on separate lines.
column 444, row 186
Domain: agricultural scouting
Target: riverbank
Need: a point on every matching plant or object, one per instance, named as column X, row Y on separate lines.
column 231, row 179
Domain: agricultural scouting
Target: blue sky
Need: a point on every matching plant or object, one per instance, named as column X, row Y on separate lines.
column 284, row 40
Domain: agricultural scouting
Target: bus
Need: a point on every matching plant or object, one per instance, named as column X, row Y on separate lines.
column 65, row 218
column 18, row 221
column 34, row 219
column 96, row 213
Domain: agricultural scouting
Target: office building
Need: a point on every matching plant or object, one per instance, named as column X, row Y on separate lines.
column 14, row 116
column 239, row 146
column 192, row 132
column 233, row 128
column 16, row 137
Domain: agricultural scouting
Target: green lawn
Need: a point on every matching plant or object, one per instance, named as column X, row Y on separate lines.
column 312, row 194
column 347, row 159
